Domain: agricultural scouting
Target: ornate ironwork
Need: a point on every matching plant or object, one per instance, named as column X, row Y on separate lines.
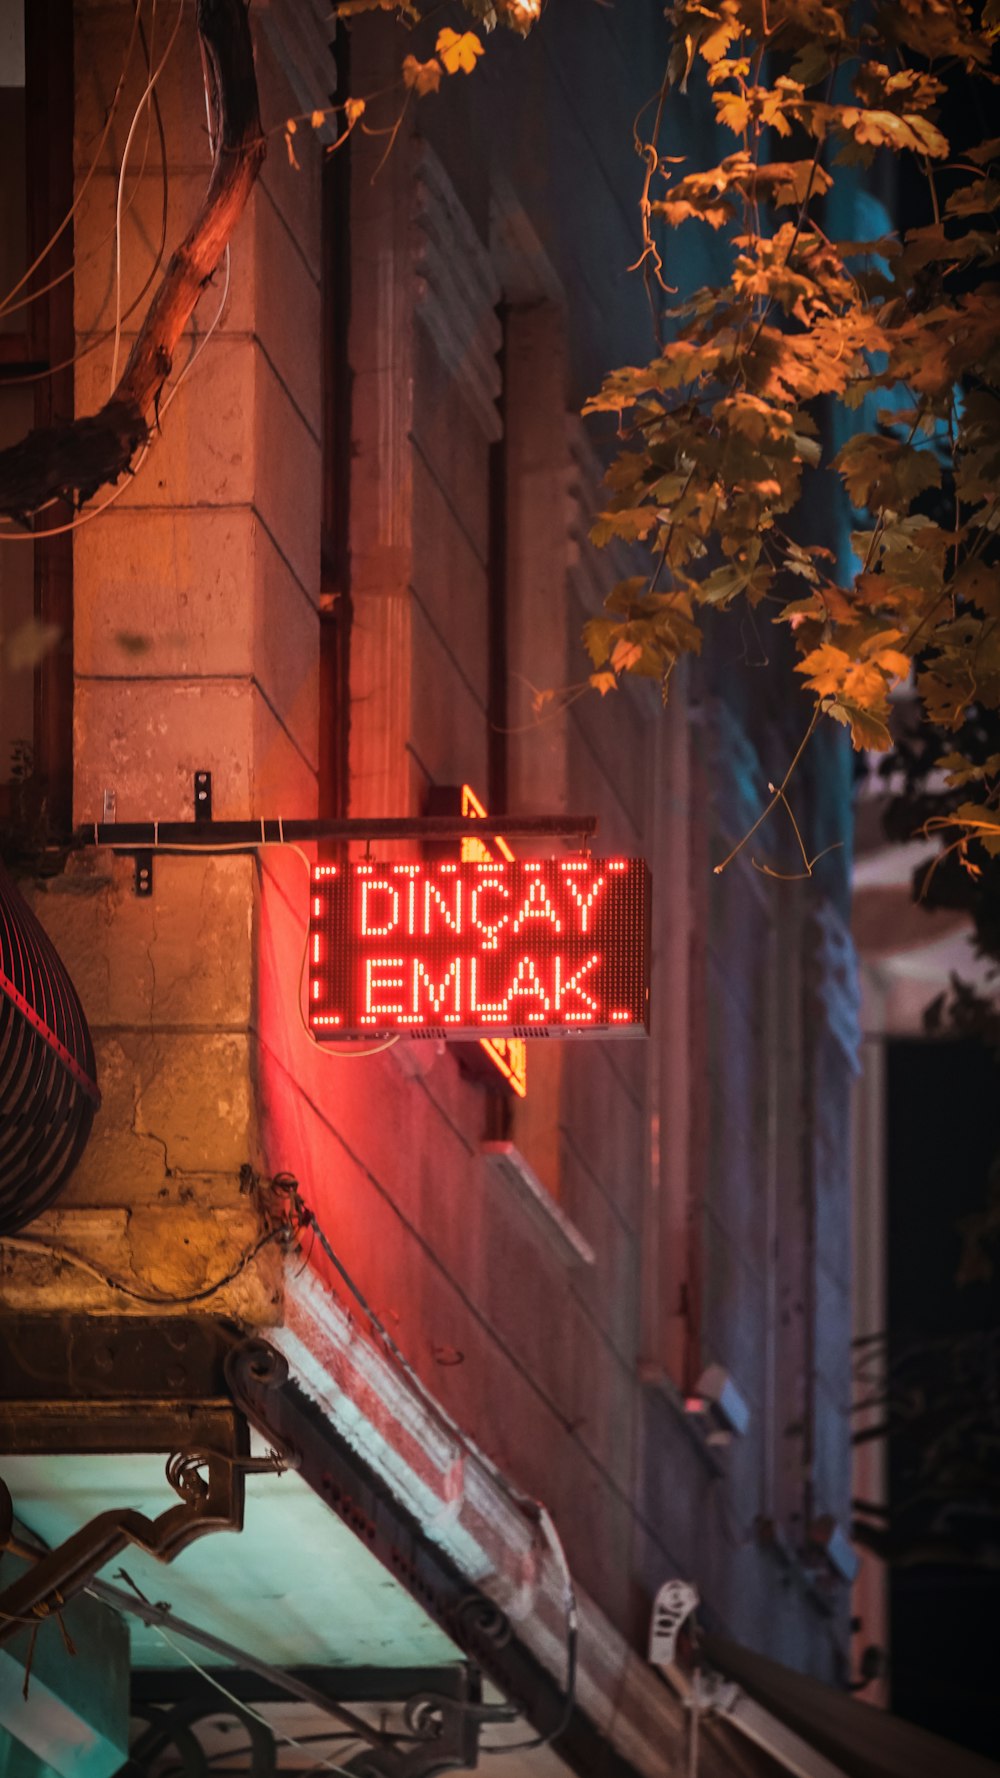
column 48, row 1082
column 438, row 1733
column 175, row 1729
column 209, row 1502
column 132, row 1383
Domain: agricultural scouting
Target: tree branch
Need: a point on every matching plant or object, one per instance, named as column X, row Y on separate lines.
column 73, row 460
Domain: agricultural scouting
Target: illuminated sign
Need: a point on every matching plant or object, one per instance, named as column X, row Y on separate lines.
column 554, row 948
column 509, row 1055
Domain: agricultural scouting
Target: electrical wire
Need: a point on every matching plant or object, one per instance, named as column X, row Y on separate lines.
column 250, row 848
column 98, row 340
column 256, row 847
column 94, row 512
column 38, row 1244
column 286, row 1185
column 116, row 493
column 5, row 304
column 143, row 105
column 244, row 1709
column 92, row 252
column 133, row 1604
column 326, row 1049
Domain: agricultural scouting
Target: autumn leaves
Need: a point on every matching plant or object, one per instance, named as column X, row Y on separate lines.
column 719, row 429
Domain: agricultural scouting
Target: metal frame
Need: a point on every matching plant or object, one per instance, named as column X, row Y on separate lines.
column 75, row 1382
column 130, row 836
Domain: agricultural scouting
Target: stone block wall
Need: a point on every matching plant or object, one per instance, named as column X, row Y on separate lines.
column 196, row 648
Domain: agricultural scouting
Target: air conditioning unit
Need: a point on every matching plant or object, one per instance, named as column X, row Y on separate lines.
column 719, row 1406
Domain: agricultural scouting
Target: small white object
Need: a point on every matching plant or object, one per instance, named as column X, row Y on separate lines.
column 673, row 1605
column 829, row 1536
column 717, row 1397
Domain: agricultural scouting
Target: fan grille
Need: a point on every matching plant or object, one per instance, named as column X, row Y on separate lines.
column 48, row 1086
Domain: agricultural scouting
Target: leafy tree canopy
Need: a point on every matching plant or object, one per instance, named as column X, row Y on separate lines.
column 719, row 429
column 719, row 433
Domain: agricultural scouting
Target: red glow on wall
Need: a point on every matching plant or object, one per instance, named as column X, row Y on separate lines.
column 557, row 947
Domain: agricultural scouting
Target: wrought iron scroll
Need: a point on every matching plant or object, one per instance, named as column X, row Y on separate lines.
column 439, row 1734
column 209, row 1502
column 175, row 1729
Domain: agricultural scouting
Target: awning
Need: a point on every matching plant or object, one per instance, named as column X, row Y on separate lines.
column 387, row 1541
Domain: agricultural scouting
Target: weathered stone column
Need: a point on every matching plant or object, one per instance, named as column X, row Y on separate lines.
column 196, row 647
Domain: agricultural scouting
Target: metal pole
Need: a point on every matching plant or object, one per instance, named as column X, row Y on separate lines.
column 125, row 836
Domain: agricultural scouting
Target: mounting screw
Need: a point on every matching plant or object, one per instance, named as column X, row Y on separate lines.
column 203, row 796
column 144, row 873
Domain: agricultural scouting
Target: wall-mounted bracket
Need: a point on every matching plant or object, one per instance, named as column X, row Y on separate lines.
column 143, row 838
column 203, row 796
column 143, row 882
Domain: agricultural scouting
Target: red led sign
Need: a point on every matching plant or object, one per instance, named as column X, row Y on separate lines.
column 509, row 1055
column 556, row 948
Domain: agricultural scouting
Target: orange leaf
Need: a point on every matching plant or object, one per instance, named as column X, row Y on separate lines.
column 423, row 77
column 458, row 51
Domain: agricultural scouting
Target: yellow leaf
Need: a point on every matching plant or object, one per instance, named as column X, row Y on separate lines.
column 289, row 133
column 423, row 77
column 353, row 109
column 863, row 685
column 827, row 668
column 318, row 119
column 603, row 682
column 625, row 654
column 894, row 663
column 866, row 730
column 458, row 51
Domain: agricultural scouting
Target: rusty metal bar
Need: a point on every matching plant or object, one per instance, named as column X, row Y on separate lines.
column 208, row 836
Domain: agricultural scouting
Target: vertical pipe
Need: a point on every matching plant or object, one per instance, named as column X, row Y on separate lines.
column 498, row 598
column 336, row 611
column 48, row 43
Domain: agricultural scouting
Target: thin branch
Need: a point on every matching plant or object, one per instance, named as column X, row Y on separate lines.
column 649, row 259
column 777, row 797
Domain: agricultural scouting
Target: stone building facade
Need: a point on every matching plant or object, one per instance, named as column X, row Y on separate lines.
column 349, row 576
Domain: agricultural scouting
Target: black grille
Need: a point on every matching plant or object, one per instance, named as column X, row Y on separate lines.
column 48, row 1086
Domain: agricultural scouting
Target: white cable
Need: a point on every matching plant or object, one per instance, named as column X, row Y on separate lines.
column 83, row 518
column 251, row 846
column 94, row 512
column 203, row 342
column 318, row 1765
column 7, row 305
column 142, row 106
